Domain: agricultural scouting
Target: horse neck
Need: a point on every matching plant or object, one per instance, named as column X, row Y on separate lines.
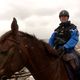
column 41, row 65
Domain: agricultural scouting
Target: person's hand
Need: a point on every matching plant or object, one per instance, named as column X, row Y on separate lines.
column 61, row 50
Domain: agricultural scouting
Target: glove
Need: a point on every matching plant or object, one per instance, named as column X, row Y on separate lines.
column 61, row 50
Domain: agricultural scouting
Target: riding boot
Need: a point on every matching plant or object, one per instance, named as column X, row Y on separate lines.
column 75, row 69
column 78, row 73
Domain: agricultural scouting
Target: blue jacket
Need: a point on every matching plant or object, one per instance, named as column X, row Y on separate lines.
column 70, row 45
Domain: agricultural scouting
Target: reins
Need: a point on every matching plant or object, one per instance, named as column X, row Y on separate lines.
column 45, row 68
column 19, row 47
column 48, row 65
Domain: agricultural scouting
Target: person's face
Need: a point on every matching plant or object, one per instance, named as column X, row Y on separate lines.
column 63, row 18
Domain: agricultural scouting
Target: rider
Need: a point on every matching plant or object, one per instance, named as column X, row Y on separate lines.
column 65, row 38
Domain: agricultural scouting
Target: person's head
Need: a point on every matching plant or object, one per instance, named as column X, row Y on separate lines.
column 64, row 16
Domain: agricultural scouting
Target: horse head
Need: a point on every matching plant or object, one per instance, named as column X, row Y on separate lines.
column 19, row 49
column 11, row 57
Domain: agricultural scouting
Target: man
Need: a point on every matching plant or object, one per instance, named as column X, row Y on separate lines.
column 65, row 38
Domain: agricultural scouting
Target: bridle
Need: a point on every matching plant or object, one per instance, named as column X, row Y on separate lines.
column 46, row 66
column 18, row 44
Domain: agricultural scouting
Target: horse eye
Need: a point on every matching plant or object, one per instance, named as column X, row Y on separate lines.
column 20, row 51
column 26, row 46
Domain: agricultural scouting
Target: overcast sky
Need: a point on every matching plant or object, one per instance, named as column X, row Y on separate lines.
column 38, row 17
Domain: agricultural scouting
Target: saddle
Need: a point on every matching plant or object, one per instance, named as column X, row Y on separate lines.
column 72, row 64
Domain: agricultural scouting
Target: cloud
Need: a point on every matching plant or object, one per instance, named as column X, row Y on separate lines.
column 23, row 12
column 39, row 17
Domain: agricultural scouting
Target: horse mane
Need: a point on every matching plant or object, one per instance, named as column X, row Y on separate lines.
column 49, row 50
column 4, row 36
column 28, row 35
column 31, row 38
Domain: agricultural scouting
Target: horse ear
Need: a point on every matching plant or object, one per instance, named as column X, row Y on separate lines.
column 14, row 26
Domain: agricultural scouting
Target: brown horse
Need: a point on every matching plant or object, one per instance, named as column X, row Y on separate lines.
column 19, row 49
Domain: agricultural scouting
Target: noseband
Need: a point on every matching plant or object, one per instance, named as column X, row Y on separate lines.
column 20, row 47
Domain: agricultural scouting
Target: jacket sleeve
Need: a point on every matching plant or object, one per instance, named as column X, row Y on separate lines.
column 73, row 40
column 51, row 40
